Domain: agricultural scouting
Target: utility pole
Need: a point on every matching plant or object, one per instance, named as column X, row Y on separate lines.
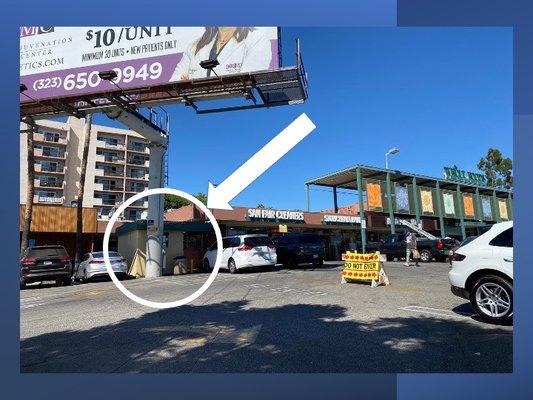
column 81, row 189
column 30, row 188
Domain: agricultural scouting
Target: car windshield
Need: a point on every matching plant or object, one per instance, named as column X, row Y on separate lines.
column 42, row 252
column 255, row 241
column 100, row 254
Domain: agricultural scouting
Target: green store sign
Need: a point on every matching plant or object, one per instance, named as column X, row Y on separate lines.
column 457, row 175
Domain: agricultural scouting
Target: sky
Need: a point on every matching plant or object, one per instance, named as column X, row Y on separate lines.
column 442, row 95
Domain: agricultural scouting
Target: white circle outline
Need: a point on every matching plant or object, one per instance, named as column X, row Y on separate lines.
column 156, row 304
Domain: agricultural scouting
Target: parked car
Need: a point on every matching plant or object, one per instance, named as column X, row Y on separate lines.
column 393, row 246
column 45, row 263
column 298, row 248
column 461, row 244
column 482, row 272
column 92, row 265
column 242, row 251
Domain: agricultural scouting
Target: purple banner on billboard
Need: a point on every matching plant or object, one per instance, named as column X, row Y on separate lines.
column 75, row 81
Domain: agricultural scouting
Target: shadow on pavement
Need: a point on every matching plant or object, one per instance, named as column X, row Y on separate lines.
column 230, row 337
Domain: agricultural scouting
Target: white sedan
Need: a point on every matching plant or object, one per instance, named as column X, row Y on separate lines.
column 243, row 251
column 92, row 265
column 482, row 272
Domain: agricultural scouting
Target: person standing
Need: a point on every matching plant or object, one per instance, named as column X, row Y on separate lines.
column 411, row 246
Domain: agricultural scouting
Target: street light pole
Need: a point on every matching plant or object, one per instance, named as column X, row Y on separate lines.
column 393, row 150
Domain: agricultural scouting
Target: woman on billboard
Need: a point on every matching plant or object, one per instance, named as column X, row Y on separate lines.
column 237, row 49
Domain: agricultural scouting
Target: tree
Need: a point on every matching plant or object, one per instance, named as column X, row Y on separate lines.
column 81, row 188
column 30, row 188
column 497, row 169
column 172, row 201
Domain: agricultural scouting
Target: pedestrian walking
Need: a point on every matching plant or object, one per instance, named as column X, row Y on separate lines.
column 411, row 249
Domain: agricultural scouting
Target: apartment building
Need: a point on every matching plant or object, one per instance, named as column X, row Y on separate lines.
column 117, row 166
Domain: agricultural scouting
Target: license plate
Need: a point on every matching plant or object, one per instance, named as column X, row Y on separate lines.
column 47, row 262
column 315, row 255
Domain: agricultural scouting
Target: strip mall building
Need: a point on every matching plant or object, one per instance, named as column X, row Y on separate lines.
column 457, row 206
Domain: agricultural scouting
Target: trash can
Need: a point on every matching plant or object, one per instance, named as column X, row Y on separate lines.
column 180, row 265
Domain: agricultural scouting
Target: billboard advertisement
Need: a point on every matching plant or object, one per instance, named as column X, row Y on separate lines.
column 60, row 62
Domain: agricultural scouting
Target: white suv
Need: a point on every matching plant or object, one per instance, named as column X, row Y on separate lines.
column 482, row 272
column 242, row 252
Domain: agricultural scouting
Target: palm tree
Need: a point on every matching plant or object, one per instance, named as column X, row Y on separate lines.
column 31, row 128
column 81, row 189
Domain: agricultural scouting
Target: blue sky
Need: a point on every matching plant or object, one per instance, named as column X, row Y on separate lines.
column 442, row 95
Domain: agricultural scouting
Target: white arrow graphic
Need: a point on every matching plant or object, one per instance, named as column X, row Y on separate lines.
column 220, row 196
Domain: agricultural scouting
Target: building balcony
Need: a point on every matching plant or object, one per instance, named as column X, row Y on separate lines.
column 39, row 137
column 57, row 170
column 40, row 153
column 100, row 187
column 105, row 145
column 139, row 204
column 105, row 172
column 144, row 177
column 109, row 159
column 98, row 201
column 141, row 163
column 139, row 149
column 48, row 200
column 48, row 184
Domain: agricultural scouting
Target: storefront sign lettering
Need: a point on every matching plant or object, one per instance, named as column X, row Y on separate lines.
column 457, row 175
column 340, row 219
column 274, row 215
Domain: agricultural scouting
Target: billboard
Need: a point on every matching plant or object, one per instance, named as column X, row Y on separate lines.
column 58, row 62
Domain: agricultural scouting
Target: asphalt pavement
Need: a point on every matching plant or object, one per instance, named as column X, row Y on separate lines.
column 297, row 320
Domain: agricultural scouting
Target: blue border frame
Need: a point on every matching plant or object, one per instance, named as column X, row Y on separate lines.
column 517, row 14
column 274, row 12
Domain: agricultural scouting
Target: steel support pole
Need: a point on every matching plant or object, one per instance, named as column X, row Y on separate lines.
column 416, row 197
column 461, row 211
column 440, row 209
column 390, row 203
column 479, row 206
column 335, row 204
column 307, row 198
column 496, row 206
column 361, row 207
column 510, row 206
column 154, row 231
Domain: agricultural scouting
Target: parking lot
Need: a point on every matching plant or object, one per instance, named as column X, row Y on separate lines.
column 297, row 320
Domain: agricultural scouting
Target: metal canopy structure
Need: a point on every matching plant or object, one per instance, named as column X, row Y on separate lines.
column 346, row 179
column 355, row 178
column 269, row 88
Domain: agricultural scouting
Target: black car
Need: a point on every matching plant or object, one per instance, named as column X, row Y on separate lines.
column 298, row 248
column 45, row 263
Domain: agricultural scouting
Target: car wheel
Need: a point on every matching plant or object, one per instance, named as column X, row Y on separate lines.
column 207, row 267
column 425, row 256
column 492, row 298
column 22, row 284
column 318, row 263
column 231, row 266
column 84, row 278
